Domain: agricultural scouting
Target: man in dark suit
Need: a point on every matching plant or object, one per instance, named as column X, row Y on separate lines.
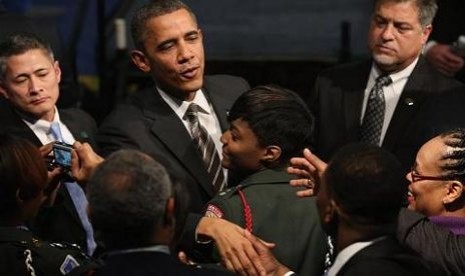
column 154, row 120
column 344, row 99
column 448, row 26
column 29, row 78
column 359, row 204
column 359, row 195
column 159, row 121
column 132, row 204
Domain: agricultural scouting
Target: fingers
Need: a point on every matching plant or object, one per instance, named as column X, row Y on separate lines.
column 74, row 163
column 184, row 259
column 46, row 149
column 83, row 161
column 316, row 162
column 305, row 193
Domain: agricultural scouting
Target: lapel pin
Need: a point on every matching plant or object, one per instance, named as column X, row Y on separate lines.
column 84, row 135
column 409, row 101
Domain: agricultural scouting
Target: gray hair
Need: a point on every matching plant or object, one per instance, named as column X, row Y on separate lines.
column 127, row 198
column 148, row 11
column 20, row 43
column 426, row 9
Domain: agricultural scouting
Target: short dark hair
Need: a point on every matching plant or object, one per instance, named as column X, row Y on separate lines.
column 127, row 198
column 426, row 9
column 19, row 43
column 148, row 11
column 367, row 182
column 453, row 159
column 277, row 116
column 23, row 170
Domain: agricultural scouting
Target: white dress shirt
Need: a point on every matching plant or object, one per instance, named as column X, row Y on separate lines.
column 207, row 117
column 344, row 256
column 391, row 92
column 41, row 129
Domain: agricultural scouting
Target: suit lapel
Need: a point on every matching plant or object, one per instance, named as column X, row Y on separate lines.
column 353, row 98
column 12, row 123
column 410, row 100
column 168, row 128
column 220, row 105
column 75, row 127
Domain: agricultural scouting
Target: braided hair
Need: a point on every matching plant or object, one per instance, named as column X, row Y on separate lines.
column 454, row 157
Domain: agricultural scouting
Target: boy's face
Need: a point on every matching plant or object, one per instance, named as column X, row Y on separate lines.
column 241, row 150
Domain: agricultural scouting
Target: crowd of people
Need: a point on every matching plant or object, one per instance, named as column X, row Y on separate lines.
column 204, row 175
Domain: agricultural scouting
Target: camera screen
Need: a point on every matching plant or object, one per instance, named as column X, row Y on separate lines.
column 62, row 156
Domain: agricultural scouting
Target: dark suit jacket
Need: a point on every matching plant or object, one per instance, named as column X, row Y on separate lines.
column 148, row 124
column 435, row 244
column 337, row 104
column 149, row 263
column 386, row 257
column 60, row 222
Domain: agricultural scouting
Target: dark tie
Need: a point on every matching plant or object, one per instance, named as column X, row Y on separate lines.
column 372, row 123
column 78, row 197
column 206, row 148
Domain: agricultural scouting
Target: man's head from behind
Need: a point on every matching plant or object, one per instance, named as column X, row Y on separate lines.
column 29, row 76
column 363, row 187
column 268, row 125
column 398, row 31
column 169, row 46
column 130, row 201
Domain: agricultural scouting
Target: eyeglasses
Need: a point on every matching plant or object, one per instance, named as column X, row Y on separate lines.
column 418, row 177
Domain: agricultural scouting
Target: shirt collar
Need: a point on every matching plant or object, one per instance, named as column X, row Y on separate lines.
column 39, row 124
column 180, row 107
column 344, row 256
column 395, row 77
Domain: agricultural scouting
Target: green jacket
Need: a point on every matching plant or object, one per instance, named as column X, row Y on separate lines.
column 23, row 254
column 276, row 215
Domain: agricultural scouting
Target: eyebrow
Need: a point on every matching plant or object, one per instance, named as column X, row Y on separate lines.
column 27, row 75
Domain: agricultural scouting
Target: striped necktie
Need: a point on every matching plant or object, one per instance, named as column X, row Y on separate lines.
column 206, row 148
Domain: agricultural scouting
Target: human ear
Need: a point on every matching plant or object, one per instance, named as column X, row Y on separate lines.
column 426, row 32
column 56, row 67
column 3, row 90
column 140, row 60
column 454, row 192
column 169, row 212
column 272, row 153
column 329, row 213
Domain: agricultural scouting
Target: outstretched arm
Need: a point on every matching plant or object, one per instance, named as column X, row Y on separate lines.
column 436, row 244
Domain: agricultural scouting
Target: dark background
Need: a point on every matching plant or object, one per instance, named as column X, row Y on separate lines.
column 286, row 42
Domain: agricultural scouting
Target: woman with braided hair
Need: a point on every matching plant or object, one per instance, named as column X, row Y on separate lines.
column 437, row 181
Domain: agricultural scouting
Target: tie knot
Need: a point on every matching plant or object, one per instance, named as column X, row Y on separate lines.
column 192, row 112
column 56, row 132
column 383, row 80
